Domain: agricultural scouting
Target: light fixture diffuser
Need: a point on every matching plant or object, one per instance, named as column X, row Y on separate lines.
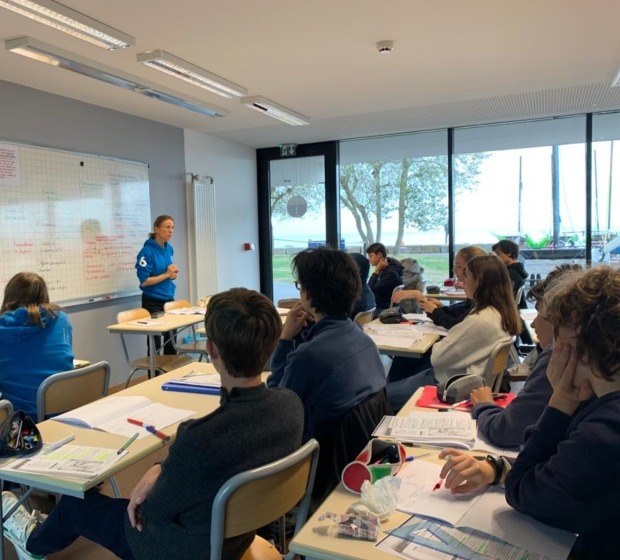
column 616, row 79
column 179, row 68
column 42, row 52
column 70, row 21
column 275, row 110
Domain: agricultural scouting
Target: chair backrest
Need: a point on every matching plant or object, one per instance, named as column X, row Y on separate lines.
column 6, row 409
column 176, row 304
column 288, row 303
column 132, row 314
column 257, row 497
column 397, row 289
column 364, row 317
column 343, row 438
column 70, row 389
column 497, row 362
column 519, row 295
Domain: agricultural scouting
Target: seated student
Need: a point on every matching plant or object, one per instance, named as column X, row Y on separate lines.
column 566, row 475
column 504, row 427
column 35, row 341
column 169, row 513
column 366, row 301
column 387, row 275
column 445, row 315
column 468, row 345
column 337, row 365
column 508, row 252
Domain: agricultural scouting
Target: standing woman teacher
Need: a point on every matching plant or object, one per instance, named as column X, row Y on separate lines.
column 156, row 272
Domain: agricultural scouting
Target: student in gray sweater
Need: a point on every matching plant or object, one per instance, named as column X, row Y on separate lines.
column 169, row 513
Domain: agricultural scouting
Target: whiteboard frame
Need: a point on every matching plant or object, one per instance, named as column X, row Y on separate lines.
column 103, row 297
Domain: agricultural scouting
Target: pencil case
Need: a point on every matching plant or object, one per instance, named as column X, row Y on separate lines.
column 458, row 387
column 19, row 435
column 378, row 459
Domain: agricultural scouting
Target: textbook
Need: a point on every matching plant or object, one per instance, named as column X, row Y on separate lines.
column 110, row 415
column 69, row 461
column 486, row 512
column 430, row 429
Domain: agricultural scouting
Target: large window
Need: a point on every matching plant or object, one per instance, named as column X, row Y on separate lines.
column 605, row 189
column 530, row 188
column 394, row 190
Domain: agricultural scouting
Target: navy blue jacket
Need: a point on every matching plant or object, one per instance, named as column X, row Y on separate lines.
column 334, row 369
column 505, row 427
column 383, row 284
column 450, row 315
column 567, row 475
column 154, row 260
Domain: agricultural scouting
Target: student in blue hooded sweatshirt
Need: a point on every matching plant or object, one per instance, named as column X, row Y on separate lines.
column 35, row 341
column 156, row 271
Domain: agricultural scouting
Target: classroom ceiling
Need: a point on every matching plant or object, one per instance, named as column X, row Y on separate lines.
column 455, row 62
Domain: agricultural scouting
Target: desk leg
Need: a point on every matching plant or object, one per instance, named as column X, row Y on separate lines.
column 151, row 357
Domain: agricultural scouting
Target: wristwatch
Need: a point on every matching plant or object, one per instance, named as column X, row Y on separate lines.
column 498, row 468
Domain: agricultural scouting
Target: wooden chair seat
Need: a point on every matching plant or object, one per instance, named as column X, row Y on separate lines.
column 261, row 550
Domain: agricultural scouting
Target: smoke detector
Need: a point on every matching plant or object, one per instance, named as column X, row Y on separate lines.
column 385, row 47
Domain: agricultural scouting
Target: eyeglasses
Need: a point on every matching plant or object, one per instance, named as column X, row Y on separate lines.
column 298, row 285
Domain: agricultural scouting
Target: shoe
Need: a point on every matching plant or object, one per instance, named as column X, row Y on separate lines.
column 18, row 527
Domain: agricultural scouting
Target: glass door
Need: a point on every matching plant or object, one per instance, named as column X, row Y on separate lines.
column 294, row 206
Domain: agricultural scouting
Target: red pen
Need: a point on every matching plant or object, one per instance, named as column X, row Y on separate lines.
column 149, row 428
column 437, row 486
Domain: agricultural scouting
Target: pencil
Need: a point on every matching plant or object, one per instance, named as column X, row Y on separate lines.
column 128, row 443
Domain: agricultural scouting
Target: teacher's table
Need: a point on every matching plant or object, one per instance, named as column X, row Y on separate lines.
column 316, row 539
column 53, row 431
column 156, row 327
column 415, row 350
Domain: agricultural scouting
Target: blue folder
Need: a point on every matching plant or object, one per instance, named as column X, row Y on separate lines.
column 184, row 388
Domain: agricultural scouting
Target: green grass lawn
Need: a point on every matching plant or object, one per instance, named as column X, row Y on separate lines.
column 435, row 267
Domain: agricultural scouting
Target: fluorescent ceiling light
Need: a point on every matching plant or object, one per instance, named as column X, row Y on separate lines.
column 616, row 80
column 274, row 110
column 43, row 52
column 74, row 23
column 179, row 68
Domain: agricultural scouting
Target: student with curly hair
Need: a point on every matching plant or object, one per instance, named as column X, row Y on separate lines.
column 567, row 474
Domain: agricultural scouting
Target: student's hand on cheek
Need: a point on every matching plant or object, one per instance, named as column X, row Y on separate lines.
column 568, row 390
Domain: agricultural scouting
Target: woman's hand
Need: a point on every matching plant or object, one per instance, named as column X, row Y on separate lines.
column 430, row 304
column 173, row 271
column 407, row 294
column 463, row 473
column 568, row 392
column 481, row 395
column 296, row 319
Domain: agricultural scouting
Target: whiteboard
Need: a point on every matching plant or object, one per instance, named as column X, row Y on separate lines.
column 77, row 220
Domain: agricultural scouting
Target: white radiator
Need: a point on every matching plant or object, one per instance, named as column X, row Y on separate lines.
column 202, row 242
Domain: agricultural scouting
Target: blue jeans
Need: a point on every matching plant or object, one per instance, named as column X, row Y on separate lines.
column 399, row 392
column 97, row 517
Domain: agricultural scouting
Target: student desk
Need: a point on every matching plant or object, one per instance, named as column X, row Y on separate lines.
column 416, row 350
column 314, row 541
column 170, row 322
column 53, row 431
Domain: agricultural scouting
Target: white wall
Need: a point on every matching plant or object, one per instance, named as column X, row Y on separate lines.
column 233, row 168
